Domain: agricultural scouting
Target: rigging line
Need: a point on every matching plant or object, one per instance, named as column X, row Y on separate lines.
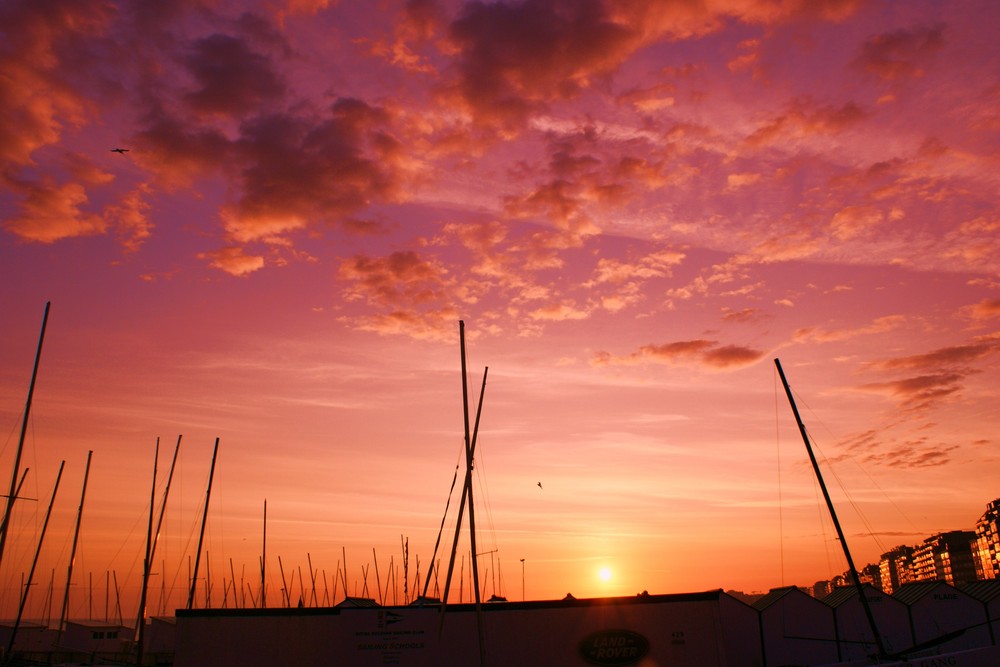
column 847, row 494
column 829, row 466
column 13, row 430
column 484, row 494
column 444, row 518
column 823, row 519
column 843, row 487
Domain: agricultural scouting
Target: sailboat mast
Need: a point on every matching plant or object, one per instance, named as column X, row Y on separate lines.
column 855, row 579
column 34, row 563
column 12, row 495
column 263, row 561
column 72, row 553
column 151, row 539
column 147, row 565
column 461, row 507
column 204, row 519
column 468, row 484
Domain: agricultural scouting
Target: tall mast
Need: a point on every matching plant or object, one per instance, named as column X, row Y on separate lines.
column 12, row 494
column 461, row 507
column 855, row 579
column 263, row 560
column 34, row 563
column 72, row 553
column 467, row 492
column 204, row 519
column 152, row 537
column 140, row 623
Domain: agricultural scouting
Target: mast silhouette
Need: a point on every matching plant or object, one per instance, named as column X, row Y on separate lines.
column 151, row 539
column 470, row 444
column 204, row 519
column 855, row 579
column 12, row 495
column 34, row 564
column 72, row 554
column 461, row 507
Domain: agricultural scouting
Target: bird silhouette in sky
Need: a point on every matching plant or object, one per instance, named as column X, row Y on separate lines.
column 119, row 150
column 539, row 485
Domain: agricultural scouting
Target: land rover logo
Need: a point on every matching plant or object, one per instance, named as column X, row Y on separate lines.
column 613, row 647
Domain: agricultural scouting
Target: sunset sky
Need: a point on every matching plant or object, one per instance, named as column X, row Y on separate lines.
column 633, row 205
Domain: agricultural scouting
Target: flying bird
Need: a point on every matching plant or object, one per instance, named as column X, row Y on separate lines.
column 539, row 485
column 119, row 150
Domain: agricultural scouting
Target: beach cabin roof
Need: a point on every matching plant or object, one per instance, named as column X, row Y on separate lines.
column 796, row 628
column 937, row 608
column 984, row 590
column 840, row 595
column 773, row 596
column 855, row 637
column 351, row 602
column 915, row 590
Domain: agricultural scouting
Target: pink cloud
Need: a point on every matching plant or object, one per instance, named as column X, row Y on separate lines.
column 232, row 78
column 299, row 172
column 515, row 58
column 901, row 54
column 177, row 152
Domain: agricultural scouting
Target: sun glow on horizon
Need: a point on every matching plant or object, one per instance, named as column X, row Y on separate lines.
column 605, row 574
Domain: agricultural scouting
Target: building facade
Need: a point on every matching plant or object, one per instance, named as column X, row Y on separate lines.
column 986, row 548
column 896, row 568
column 945, row 557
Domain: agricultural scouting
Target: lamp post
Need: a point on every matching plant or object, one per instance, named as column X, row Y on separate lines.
column 522, row 580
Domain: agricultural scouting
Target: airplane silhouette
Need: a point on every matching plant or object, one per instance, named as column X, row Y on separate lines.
column 119, row 150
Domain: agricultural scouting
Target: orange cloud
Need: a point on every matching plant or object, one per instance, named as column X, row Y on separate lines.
column 704, row 352
column 959, row 354
column 804, row 119
column 985, row 309
column 742, row 315
column 558, row 312
column 233, row 260
column 400, row 278
column 879, row 325
column 656, row 265
column 50, row 212
column 130, row 218
column 37, row 98
column 438, row 324
column 918, row 392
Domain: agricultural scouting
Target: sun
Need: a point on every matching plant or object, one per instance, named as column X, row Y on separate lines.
column 605, row 574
